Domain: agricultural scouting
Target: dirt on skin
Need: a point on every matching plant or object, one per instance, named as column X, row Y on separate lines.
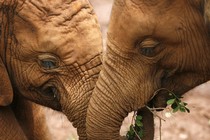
column 179, row 126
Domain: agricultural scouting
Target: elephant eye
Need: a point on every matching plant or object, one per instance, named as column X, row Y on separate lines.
column 147, row 47
column 48, row 62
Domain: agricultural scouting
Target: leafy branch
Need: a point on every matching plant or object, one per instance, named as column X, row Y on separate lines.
column 176, row 103
column 136, row 129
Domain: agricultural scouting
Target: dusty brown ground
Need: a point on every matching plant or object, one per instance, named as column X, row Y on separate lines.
column 180, row 126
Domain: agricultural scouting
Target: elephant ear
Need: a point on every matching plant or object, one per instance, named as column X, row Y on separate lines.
column 6, row 91
column 207, row 13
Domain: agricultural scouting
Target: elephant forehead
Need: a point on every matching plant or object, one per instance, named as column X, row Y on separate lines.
column 45, row 10
column 136, row 20
column 58, row 27
column 57, row 12
column 76, row 46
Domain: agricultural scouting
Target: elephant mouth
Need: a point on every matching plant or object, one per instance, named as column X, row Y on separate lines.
column 48, row 94
column 160, row 99
column 50, row 91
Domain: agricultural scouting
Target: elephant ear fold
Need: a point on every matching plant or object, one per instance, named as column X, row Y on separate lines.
column 207, row 14
column 6, row 91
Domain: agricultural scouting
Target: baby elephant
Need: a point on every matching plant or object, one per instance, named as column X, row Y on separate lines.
column 151, row 45
column 49, row 54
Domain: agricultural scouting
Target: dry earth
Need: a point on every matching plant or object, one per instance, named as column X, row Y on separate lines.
column 180, row 126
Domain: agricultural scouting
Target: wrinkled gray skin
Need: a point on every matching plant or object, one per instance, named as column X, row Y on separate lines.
column 49, row 54
column 151, row 44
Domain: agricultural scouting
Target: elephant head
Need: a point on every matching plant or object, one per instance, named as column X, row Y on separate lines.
column 151, row 45
column 50, row 54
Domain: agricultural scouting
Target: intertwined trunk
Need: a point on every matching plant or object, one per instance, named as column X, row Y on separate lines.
column 105, row 113
column 78, row 92
column 107, row 109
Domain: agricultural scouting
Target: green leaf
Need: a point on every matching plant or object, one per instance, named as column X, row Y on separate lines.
column 141, row 134
column 182, row 104
column 170, row 101
column 139, row 117
column 139, row 123
column 176, row 109
column 182, row 109
column 174, row 105
column 130, row 134
column 131, row 130
column 136, row 129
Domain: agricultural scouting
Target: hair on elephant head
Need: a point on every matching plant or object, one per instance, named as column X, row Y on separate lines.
column 150, row 45
column 50, row 54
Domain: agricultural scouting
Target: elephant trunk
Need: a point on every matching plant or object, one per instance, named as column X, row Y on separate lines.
column 76, row 99
column 108, row 108
column 118, row 92
column 105, row 113
column 76, row 111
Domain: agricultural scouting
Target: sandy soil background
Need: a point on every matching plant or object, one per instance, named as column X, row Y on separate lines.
column 180, row 126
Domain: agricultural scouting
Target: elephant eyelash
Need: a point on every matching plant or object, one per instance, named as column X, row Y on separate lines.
column 147, row 46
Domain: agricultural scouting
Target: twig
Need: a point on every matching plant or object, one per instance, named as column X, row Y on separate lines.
column 175, row 96
column 156, row 92
column 155, row 113
column 134, row 114
column 154, row 109
column 160, row 131
column 136, row 133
